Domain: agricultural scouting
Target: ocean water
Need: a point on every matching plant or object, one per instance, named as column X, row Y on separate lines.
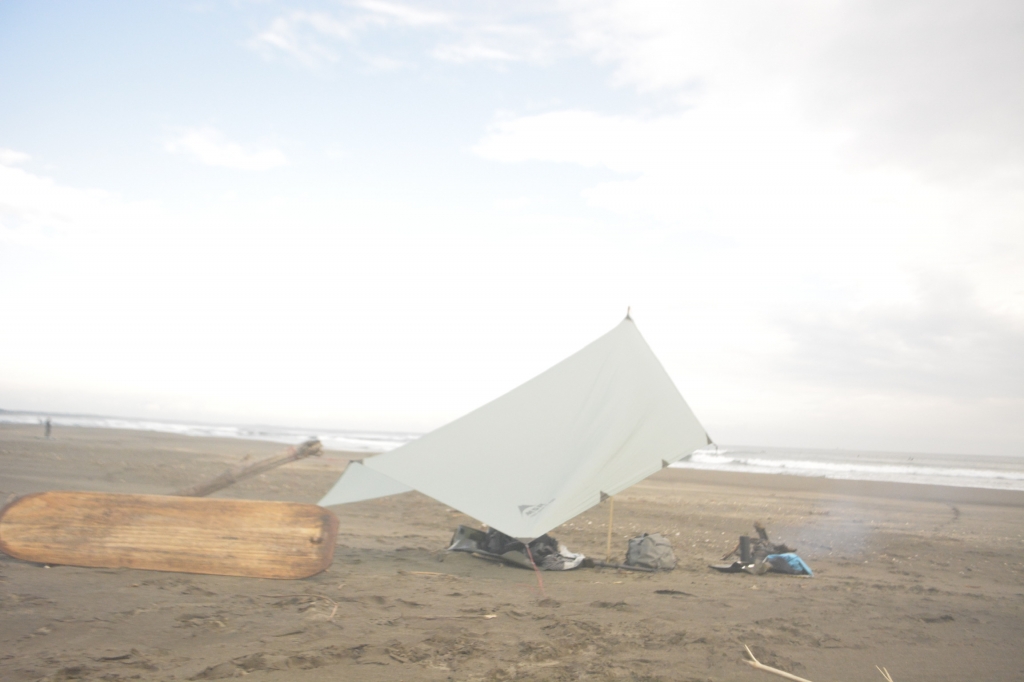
column 357, row 441
column 969, row 471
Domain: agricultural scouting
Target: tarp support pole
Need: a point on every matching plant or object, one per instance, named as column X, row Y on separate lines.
column 611, row 514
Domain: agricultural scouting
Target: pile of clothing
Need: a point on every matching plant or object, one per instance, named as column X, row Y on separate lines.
column 544, row 553
column 760, row 555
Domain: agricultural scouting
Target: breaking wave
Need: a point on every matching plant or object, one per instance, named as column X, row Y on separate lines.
column 1007, row 474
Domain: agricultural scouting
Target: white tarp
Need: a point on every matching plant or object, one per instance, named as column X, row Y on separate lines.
column 360, row 483
column 592, row 425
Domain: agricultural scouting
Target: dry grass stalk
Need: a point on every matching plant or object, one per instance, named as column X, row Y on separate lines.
column 310, row 596
column 754, row 663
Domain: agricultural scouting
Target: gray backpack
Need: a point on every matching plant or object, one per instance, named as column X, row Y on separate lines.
column 651, row 551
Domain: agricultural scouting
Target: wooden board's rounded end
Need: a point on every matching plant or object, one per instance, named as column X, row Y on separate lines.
column 5, row 547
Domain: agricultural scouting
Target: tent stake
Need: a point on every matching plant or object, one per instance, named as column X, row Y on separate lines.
column 540, row 581
column 611, row 513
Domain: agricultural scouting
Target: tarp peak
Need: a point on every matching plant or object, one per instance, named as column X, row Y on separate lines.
column 601, row 420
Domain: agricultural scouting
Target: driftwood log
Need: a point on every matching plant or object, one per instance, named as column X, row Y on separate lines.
column 311, row 448
column 170, row 533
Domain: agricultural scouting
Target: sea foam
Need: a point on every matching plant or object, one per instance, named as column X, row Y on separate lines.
column 1005, row 473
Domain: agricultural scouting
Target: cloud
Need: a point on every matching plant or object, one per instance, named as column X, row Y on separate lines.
column 941, row 372
column 9, row 157
column 210, row 147
column 944, row 342
column 462, row 54
column 404, row 14
column 747, row 151
column 36, row 211
column 935, row 86
column 311, row 37
column 764, row 183
column 499, row 39
column 821, row 228
column 297, row 34
column 88, row 226
column 713, row 167
column 489, row 36
column 935, row 83
column 579, row 137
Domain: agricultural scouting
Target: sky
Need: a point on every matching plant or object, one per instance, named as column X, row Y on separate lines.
column 381, row 215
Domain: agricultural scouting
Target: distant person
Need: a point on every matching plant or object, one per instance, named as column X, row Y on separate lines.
column 47, row 428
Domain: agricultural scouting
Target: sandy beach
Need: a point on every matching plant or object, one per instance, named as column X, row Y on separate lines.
column 926, row 581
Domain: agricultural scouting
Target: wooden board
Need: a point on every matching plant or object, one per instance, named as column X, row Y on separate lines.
column 162, row 533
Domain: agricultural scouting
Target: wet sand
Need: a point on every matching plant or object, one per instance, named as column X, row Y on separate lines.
column 927, row 581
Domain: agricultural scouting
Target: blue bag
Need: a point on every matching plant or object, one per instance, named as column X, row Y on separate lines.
column 788, row 563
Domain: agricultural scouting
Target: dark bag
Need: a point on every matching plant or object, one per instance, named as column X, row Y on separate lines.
column 651, row 551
